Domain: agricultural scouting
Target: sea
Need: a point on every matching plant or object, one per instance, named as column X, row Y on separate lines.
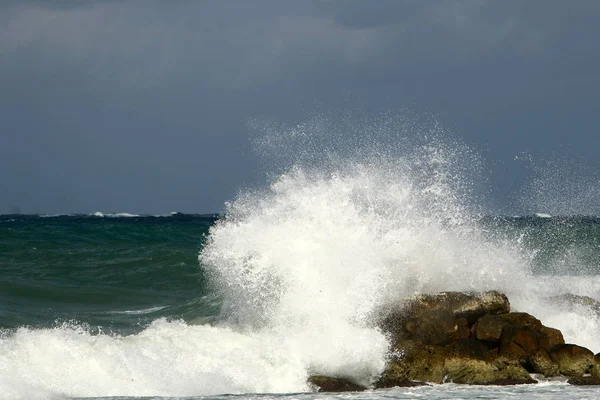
column 286, row 282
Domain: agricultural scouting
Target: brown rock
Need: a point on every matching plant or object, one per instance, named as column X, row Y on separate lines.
column 522, row 319
column 472, row 338
column 383, row 383
column 329, row 384
column 584, row 380
column 518, row 342
column 437, row 327
column 463, row 361
column 470, row 306
column 414, row 361
column 554, row 336
column 477, row 372
column 467, row 348
column 596, row 368
column 573, row 360
column 542, row 363
column 489, row 328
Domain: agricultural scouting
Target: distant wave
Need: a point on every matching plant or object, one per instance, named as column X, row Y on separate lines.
column 171, row 214
column 114, row 215
column 55, row 215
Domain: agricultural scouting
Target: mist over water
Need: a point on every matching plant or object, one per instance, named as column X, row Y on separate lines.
column 357, row 215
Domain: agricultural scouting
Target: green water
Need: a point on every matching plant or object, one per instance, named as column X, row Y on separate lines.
column 117, row 273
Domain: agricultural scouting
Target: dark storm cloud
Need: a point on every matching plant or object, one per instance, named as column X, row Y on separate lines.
column 141, row 105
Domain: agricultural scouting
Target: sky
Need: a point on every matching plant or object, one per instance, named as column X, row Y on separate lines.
column 144, row 106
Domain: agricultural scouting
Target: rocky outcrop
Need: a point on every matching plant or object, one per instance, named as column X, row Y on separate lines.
column 473, row 338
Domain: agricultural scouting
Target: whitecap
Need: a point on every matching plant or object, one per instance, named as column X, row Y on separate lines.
column 139, row 312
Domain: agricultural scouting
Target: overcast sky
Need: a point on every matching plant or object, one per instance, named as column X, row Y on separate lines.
column 143, row 106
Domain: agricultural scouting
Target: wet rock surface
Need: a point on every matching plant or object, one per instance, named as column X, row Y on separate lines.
column 585, row 381
column 573, row 360
column 472, row 338
column 329, row 384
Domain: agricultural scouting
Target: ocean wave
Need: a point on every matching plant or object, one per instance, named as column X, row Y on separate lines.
column 113, row 215
column 55, row 215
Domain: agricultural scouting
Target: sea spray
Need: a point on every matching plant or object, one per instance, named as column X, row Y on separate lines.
column 316, row 255
column 343, row 232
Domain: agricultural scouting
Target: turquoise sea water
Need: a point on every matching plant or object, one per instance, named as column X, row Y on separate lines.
column 116, row 273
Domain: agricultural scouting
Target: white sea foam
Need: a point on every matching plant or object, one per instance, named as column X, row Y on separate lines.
column 168, row 359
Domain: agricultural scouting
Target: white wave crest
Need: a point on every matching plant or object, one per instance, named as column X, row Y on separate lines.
column 113, row 215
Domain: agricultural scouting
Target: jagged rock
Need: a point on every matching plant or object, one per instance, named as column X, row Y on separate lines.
column 477, row 372
column 329, row 384
column 522, row 319
column 573, row 360
column 464, row 361
column 470, row 306
column 489, row 328
column 554, row 336
column 438, row 319
column 473, row 338
column 543, row 363
column 584, row 380
column 518, row 342
column 437, row 327
column 526, row 340
column 418, row 362
column 468, row 348
column 414, row 361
